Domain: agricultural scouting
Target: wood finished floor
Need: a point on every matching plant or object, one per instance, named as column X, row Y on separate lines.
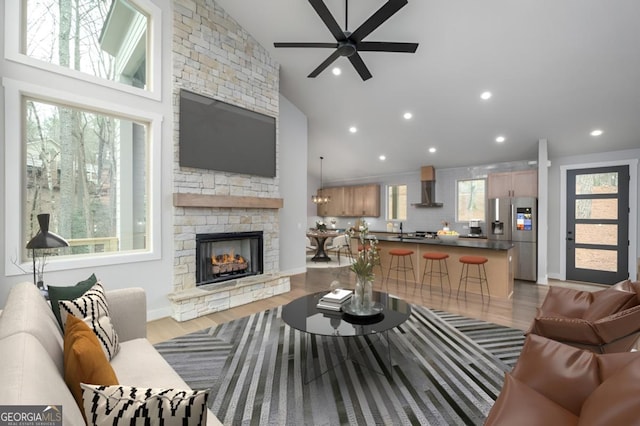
column 517, row 312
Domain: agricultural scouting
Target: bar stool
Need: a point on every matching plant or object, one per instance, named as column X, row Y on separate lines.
column 377, row 263
column 482, row 273
column 441, row 258
column 401, row 254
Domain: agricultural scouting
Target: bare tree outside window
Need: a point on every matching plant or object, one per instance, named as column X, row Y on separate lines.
column 471, row 200
column 397, row 202
column 80, row 165
column 80, row 181
column 89, row 36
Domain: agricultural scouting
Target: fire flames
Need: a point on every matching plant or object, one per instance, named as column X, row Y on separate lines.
column 228, row 262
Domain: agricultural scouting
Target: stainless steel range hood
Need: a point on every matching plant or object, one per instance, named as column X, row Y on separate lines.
column 428, row 188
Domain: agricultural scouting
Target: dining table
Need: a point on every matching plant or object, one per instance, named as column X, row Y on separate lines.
column 320, row 238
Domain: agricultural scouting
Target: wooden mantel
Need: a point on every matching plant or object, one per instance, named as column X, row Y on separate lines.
column 226, row 201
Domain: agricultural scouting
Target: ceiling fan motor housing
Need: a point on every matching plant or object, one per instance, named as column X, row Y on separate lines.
column 346, row 48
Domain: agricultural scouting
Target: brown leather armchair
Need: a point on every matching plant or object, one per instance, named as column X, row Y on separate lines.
column 604, row 321
column 557, row 384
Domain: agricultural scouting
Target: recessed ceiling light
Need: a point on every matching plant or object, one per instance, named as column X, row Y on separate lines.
column 432, row 150
column 382, row 158
column 336, row 71
column 596, row 132
column 353, row 129
column 407, row 115
column 501, row 139
column 485, row 95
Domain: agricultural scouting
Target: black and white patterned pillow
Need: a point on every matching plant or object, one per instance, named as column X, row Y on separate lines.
column 128, row 405
column 92, row 308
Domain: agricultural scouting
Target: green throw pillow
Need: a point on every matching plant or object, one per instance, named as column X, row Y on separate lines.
column 68, row 293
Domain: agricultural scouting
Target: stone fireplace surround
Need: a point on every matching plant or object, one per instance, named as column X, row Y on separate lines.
column 189, row 301
column 214, row 56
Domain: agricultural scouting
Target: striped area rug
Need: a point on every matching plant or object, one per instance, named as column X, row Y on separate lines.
column 445, row 369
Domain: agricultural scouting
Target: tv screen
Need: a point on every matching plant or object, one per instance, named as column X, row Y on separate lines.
column 215, row 135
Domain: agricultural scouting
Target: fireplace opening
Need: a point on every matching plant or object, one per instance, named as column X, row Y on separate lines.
column 227, row 256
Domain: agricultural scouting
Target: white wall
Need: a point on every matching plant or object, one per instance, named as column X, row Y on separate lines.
column 293, row 188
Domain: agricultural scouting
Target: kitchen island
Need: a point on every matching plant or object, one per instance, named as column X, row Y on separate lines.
column 500, row 270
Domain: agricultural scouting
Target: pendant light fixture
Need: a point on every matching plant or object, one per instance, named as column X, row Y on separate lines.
column 320, row 198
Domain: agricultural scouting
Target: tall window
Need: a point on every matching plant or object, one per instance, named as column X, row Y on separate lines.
column 471, row 198
column 88, row 153
column 88, row 170
column 397, row 202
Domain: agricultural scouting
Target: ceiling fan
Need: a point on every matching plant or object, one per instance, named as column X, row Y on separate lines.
column 350, row 43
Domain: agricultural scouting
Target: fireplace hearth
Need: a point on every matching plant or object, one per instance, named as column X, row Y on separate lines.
column 227, row 256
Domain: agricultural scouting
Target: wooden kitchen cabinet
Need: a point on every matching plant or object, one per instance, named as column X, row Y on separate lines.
column 522, row 183
column 351, row 201
column 369, row 195
column 335, row 207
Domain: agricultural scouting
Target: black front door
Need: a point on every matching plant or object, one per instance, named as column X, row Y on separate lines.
column 598, row 224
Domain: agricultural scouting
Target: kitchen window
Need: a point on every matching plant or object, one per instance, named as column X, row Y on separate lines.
column 470, row 198
column 397, row 202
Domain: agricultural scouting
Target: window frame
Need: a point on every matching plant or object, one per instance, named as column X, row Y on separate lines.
column 387, row 201
column 15, row 18
column 483, row 219
column 15, row 90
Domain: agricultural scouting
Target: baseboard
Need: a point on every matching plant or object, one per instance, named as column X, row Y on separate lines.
column 555, row 276
column 294, row 271
column 155, row 314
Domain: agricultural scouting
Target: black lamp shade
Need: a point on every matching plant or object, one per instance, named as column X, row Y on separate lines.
column 45, row 239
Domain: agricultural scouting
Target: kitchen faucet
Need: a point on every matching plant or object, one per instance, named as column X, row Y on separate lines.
column 400, row 229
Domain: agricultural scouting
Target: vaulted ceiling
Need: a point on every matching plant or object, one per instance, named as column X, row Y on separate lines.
column 557, row 69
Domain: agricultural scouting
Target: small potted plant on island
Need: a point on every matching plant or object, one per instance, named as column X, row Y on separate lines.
column 321, row 226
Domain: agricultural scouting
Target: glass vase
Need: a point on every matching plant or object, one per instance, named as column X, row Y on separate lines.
column 361, row 301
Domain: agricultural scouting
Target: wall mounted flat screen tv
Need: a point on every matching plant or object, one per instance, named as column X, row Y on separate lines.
column 215, row 135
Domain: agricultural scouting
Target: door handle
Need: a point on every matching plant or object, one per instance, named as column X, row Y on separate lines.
column 569, row 239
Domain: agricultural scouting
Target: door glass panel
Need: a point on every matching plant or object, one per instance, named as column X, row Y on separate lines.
column 599, row 260
column 597, row 183
column 596, row 234
column 597, row 209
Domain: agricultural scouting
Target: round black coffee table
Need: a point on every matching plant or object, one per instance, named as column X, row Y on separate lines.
column 303, row 315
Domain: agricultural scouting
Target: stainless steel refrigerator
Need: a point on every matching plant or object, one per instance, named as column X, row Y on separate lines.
column 516, row 220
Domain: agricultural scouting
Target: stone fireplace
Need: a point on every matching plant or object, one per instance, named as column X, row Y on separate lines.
column 223, row 256
column 214, row 56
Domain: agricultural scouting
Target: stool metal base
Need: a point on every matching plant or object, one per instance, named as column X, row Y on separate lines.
column 481, row 278
column 404, row 268
column 429, row 272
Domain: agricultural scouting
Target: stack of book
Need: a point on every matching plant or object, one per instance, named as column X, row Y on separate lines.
column 333, row 301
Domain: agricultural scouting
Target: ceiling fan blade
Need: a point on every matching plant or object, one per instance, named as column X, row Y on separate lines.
column 335, row 55
column 386, row 46
column 328, row 19
column 359, row 65
column 385, row 12
column 303, row 44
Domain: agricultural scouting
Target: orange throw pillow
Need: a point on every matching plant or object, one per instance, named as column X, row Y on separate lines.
column 84, row 359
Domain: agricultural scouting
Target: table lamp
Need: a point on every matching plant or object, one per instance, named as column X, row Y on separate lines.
column 44, row 240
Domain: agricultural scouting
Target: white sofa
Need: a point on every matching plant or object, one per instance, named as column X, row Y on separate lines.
column 31, row 351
